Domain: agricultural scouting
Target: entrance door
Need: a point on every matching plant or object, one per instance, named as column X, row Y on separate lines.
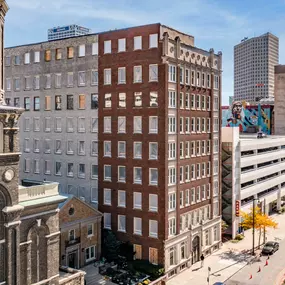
column 195, row 250
column 72, row 262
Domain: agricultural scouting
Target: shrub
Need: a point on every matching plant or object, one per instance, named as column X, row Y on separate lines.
column 154, row 271
column 239, row 237
column 234, row 241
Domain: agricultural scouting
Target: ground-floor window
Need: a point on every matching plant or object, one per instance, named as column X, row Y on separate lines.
column 216, row 233
column 153, row 255
column 138, row 251
column 172, row 260
column 207, row 240
column 90, row 253
column 182, row 250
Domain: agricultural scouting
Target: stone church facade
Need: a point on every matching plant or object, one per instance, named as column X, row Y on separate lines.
column 29, row 217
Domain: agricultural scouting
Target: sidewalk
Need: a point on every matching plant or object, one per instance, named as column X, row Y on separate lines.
column 230, row 259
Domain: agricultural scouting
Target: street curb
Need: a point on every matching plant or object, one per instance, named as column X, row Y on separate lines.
column 280, row 278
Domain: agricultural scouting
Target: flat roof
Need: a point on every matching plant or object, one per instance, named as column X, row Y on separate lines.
column 253, row 136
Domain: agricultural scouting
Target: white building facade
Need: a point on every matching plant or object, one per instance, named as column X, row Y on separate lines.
column 252, row 169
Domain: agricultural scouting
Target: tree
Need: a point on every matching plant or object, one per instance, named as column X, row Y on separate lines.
column 224, row 226
column 111, row 246
column 261, row 221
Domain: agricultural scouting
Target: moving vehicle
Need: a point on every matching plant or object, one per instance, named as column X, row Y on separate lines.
column 270, row 247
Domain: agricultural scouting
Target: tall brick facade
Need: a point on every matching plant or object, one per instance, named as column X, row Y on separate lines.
column 159, row 133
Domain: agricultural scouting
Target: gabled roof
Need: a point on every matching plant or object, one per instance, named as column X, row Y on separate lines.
column 70, row 197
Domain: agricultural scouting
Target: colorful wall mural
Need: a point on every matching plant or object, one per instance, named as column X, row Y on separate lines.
column 246, row 117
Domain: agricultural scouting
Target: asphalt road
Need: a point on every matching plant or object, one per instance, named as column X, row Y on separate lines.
column 268, row 273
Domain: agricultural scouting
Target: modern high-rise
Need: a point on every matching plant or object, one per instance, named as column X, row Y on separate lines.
column 254, row 61
column 56, row 83
column 69, row 31
column 159, row 144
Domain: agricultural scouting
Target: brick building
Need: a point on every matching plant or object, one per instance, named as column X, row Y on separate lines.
column 80, row 233
column 159, row 143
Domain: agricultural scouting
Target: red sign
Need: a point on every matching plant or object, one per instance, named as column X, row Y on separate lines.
column 237, row 208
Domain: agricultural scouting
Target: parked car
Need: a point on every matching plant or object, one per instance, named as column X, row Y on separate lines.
column 270, row 247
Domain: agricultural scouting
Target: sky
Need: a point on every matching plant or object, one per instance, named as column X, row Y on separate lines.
column 218, row 24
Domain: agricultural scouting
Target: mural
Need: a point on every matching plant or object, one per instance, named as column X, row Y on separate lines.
column 243, row 116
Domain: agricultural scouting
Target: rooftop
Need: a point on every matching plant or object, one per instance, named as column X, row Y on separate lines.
column 253, row 136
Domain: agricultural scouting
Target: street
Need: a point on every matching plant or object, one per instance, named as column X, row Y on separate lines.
column 232, row 265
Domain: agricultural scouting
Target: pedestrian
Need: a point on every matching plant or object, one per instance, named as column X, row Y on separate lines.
column 202, row 260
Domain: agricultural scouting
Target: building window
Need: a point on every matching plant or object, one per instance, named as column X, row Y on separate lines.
column 47, row 55
column 181, row 150
column 153, row 203
column 216, row 82
column 94, row 101
column 58, row 168
column 137, row 125
column 172, row 73
column 107, row 46
column 171, row 150
column 122, row 125
column 47, row 167
column 192, row 171
column 81, row 78
column 153, row 228
column 171, row 99
column 137, row 150
column 94, row 148
column 121, row 75
column 208, row 81
column 107, row 148
column 107, row 76
column 198, row 102
column 27, row 105
column 153, row 149
column 81, row 51
column 81, row 101
column 137, row 42
column 187, row 197
column 122, row 223
column 171, row 201
column 58, row 102
column 181, row 125
column 47, row 81
column 137, row 226
column 137, row 200
column 107, row 197
column 138, row 99
column 193, row 105
column 108, row 100
column 107, row 221
column 94, row 77
column 121, row 149
column 122, row 100
column 71, row 235
column 94, row 171
column 36, row 124
column 17, row 102
column 121, row 45
column 107, row 124
column 187, row 76
column 198, row 78
column 81, row 170
column 153, row 176
column 69, row 102
column 7, row 61
column 58, row 53
column 47, row 146
column 37, row 82
column 17, row 60
column 107, row 172
column 90, row 253
column 27, row 58
column 172, row 226
column 153, row 40
column 57, row 80
column 90, row 230
column 171, row 175
column 121, row 174
column 181, row 101
column 137, row 175
column 8, row 84
column 193, row 125
column 81, row 148
column 70, row 52
column 94, row 125
column 153, row 99
column 187, row 173
column 58, row 147
column 193, row 196
column 153, row 72
column 181, row 199
column 203, row 80
column 36, row 103
column 153, row 125
column 138, row 251
column 171, row 125
column 121, row 198
column 208, row 103
column 137, row 74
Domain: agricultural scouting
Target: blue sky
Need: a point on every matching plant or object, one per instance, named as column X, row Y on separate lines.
column 219, row 24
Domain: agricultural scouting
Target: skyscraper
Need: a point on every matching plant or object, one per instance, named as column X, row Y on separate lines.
column 254, row 61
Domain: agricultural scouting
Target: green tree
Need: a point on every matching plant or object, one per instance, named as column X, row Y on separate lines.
column 111, row 246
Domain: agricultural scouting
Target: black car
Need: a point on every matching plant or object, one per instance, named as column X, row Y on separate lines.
column 270, row 247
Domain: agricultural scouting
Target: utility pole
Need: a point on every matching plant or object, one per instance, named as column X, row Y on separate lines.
column 264, row 233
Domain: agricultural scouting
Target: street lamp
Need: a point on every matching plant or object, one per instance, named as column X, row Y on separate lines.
column 253, row 222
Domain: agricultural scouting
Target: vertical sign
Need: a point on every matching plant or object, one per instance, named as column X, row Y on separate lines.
column 237, row 208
